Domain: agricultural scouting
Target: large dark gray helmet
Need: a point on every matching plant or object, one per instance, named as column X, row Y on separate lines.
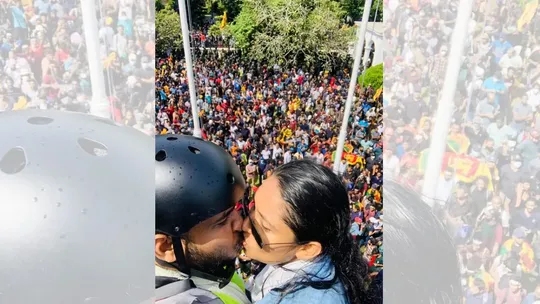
column 195, row 180
column 76, row 209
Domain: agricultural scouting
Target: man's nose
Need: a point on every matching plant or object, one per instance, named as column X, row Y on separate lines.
column 237, row 221
column 246, row 225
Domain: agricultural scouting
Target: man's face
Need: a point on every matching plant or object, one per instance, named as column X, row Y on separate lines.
column 215, row 242
column 514, row 285
column 530, row 206
column 447, row 175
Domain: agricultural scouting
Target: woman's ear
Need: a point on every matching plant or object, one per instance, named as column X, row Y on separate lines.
column 309, row 251
column 164, row 249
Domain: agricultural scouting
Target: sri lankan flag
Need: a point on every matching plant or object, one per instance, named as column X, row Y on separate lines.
column 484, row 276
column 526, row 254
column 348, row 148
column 458, row 143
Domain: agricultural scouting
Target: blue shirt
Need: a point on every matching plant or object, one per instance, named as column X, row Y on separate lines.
column 498, row 85
column 321, row 270
column 19, row 21
column 127, row 24
column 355, row 229
column 500, row 48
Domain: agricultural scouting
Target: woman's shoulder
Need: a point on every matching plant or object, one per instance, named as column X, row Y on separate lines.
column 335, row 295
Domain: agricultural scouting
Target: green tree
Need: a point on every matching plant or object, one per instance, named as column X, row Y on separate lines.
column 232, row 7
column 372, row 77
column 197, row 10
column 352, row 7
column 159, row 5
column 168, row 34
column 217, row 7
column 355, row 9
column 290, row 32
column 376, row 7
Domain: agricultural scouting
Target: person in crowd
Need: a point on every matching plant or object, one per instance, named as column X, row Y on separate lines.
column 486, row 194
column 44, row 63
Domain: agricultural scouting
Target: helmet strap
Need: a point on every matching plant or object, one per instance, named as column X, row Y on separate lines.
column 180, row 263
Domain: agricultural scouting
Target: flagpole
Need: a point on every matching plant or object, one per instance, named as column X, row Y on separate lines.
column 189, row 68
column 99, row 105
column 361, row 35
column 446, row 104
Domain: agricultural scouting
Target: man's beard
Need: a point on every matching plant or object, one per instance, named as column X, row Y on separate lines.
column 219, row 263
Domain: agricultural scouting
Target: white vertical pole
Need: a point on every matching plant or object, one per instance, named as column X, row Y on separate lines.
column 446, row 104
column 100, row 104
column 352, row 85
column 189, row 67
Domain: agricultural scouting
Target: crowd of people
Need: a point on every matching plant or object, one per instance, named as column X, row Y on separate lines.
column 488, row 193
column 266, row 116
column 44, row 64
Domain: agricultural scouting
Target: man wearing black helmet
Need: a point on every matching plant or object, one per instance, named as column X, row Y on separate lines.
column 198, row 227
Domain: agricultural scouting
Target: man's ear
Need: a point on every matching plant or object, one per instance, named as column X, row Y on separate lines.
column 309, row 251
column 164, row 248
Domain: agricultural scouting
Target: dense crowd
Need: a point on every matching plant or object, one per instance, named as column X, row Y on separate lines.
column 266, row 116
column 44, row 65
column 489, row 191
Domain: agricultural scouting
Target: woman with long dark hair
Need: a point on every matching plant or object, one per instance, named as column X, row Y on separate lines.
column 299, row 226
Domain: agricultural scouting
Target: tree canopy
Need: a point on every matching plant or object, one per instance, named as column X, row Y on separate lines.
column 289, row 32
column 285, row 32
column 372, row 77
column 168, row 33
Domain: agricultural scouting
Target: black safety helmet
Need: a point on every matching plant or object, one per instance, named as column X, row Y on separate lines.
column 75, row 204
column 195, row 180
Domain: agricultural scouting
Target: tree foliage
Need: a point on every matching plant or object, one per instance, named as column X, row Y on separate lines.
column 372, row 77
column 217, row 7
column 168, row 33
column 159, row 5
column 376, row 7
column 196, row 9
column 289, row 32
column 355, row 9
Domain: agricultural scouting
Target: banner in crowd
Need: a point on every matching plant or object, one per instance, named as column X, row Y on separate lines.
column 529, row 10
column 223, row 21
column 378, row 94
column 467, row 168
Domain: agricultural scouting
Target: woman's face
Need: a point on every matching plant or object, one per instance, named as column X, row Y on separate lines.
column 268, row 218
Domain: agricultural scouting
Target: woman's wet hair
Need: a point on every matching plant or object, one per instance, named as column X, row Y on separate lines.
column 420, row 258
column 318, row 210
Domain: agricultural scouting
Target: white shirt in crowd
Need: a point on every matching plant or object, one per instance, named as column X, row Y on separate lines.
column 287, row 157
column 277, row 152
column 241, row 144
column 444, row 190
column 265, row 154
